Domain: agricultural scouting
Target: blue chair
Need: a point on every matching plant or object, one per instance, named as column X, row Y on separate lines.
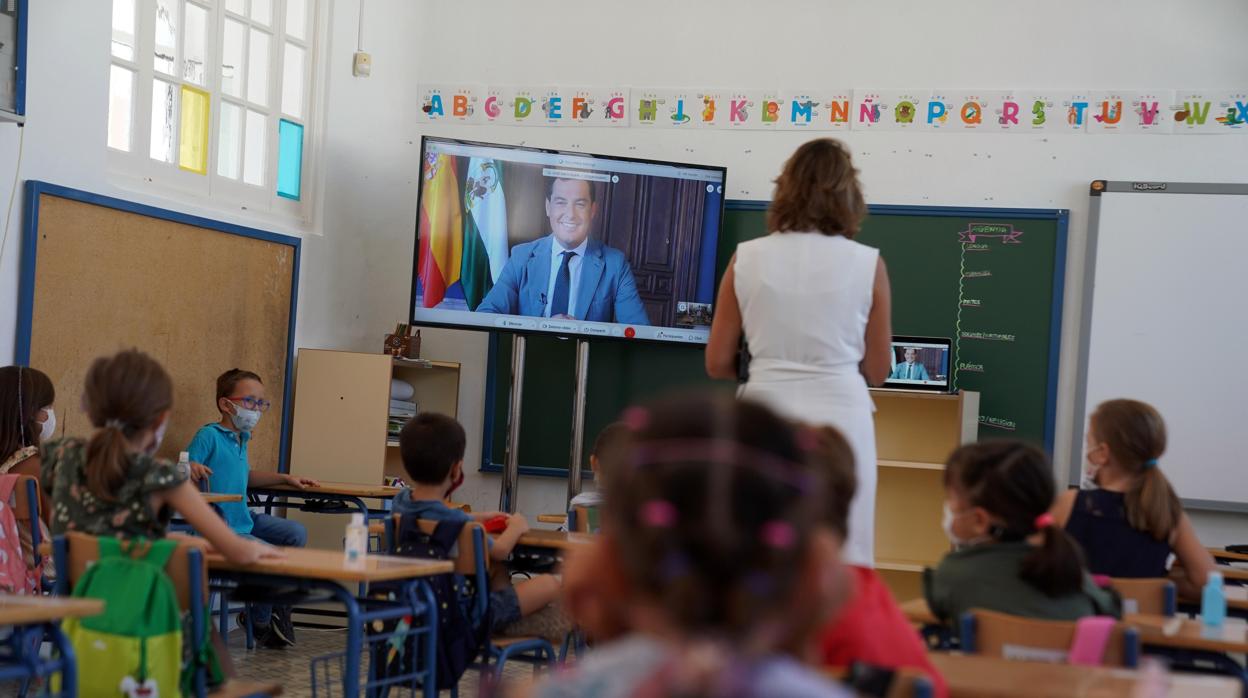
column 73, row 552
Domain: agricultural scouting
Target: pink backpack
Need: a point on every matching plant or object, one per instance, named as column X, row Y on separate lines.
column 15, row 576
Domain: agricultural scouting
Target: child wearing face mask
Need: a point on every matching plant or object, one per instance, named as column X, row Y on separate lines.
column 112, row 484
column 219, row 453
column 1127, row 518
column 26, row 421
column 1010, row 556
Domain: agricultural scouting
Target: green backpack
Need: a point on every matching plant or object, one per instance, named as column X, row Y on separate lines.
column 134, row 648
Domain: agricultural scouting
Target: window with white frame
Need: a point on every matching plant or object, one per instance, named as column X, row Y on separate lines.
column 213, row 97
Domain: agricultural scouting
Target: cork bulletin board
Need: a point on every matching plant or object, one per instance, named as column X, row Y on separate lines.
column 101, row 274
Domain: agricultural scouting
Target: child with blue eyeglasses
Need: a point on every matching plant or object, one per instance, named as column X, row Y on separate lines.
column 219, row 453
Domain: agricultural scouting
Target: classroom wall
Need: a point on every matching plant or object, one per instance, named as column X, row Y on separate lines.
column 357, row 261
column 1117, row 44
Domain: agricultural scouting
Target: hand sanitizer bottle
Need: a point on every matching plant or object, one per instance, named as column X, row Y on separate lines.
column 184, row 463
column 1213, row 601
column 357, row 541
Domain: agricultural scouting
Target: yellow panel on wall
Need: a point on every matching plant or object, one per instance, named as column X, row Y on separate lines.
column 193, row 143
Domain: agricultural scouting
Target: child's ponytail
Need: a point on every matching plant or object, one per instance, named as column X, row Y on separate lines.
column 124, row 395
column 1013, row 482
column 1135, row 434
column 1056, row 566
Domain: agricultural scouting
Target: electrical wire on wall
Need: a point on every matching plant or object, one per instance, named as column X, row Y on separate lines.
column 17, row 169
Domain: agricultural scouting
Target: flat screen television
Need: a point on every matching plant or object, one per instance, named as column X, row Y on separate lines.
column 530, row 240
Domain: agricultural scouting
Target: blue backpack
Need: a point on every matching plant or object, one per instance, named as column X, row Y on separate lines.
column 461, row 637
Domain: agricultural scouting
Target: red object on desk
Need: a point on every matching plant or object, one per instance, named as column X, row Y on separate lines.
column 498, row 524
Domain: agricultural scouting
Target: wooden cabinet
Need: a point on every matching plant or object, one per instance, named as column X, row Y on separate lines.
column 342, row 404
column 915, row 433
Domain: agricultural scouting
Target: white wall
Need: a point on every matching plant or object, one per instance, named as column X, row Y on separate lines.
column 356, row 277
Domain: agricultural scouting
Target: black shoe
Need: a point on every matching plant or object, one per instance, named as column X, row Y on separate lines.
column 268, row 637
column 282, row 624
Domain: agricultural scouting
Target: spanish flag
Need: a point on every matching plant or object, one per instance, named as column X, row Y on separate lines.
column 441, row 228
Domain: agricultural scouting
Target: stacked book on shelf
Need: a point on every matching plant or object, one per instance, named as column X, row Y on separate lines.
column 400, row 412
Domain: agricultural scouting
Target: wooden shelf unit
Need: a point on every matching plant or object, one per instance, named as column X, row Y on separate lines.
column 915, row 432
column 341, row 405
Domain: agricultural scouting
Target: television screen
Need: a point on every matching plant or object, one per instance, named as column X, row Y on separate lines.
column 530, row 240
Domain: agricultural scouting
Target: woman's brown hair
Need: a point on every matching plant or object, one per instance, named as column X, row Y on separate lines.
column 1135, row 435
column 124, row 395
column 25, row 391
column 818, row 191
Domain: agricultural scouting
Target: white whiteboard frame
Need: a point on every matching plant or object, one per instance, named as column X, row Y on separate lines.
column 1097, row 188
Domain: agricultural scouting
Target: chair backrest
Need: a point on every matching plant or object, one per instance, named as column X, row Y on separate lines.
column 993, row 634
column 81, row 550
column 27, row 501
column 1156, row 597
column 578, row 521
column 470, row 560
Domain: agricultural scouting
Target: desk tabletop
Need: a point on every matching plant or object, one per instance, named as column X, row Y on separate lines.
column 346, row 489
column 1189, row 633
column 330, row 565
column 1220, row 554
column 918, row 612
column 1236, row 598
column 24, row 610
column 558, row 540
column 218, row 498
column 990, row 677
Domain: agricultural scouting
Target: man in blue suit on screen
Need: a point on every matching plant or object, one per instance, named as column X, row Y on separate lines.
column 565, row 274
column 911, row 369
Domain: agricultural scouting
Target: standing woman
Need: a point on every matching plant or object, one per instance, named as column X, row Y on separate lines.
column 814, row 307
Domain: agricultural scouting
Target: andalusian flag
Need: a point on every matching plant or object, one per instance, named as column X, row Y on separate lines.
column 485, row 229
column 441, row 224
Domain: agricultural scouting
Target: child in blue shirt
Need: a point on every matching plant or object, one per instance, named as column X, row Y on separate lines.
column 219, row 453
column 432, row 446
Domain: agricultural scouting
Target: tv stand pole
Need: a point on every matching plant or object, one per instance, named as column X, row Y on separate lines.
column 576, row 458
column 511, row 465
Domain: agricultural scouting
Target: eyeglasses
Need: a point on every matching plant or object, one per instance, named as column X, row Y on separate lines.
column 252, row 403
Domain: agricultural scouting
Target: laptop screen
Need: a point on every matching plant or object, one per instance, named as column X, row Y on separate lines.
column 919, row 363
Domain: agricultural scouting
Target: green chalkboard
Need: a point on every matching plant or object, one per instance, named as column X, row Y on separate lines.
column 991, row 279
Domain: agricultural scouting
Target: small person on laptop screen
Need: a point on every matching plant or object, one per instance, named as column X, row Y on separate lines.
column 911, row 368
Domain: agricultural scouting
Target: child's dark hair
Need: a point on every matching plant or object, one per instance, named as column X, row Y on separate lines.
column 124, row 395
column 611, row 441
column 1013, row 482
column 228, row 381
column 430, row 444
column 833, row 457
column 1135, row 434
column 711, row 513
column 23, row 392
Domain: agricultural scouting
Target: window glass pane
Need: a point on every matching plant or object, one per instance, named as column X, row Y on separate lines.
column 195, row 46
column 163, row 107
column 120, row 107
column 232, row 60
column 297, row 19
column 230, row 140
column 289, row 159
column 237, row 6
column 262, row 11
column 254, row 149
column 123, row 29
column 193, row 139
column 258, row 68
column 292, row 81
column 166, row 54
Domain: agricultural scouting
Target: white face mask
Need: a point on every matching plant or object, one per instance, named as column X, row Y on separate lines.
column 1088, row 481
column 947, row 524
column 244, row 419
column 48, row 429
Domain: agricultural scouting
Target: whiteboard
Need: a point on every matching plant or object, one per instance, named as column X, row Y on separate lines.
column 1166, row 322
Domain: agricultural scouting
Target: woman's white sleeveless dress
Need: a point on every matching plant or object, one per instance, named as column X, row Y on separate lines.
column 804, row 299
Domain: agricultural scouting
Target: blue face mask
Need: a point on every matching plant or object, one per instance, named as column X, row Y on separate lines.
column 244, row 419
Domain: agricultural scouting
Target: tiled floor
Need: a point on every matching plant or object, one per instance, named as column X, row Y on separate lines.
column 291, row 667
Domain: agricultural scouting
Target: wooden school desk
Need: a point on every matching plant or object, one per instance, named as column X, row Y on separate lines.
column 218, row 498
column 1227, row 556
column 990, row 677
column 33, row 618
column 555, row 540
column 309, row 571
